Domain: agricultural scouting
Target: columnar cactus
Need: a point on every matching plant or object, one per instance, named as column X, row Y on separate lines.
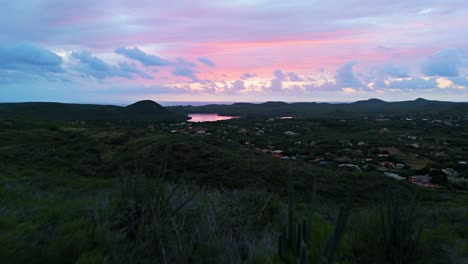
column 295, row 237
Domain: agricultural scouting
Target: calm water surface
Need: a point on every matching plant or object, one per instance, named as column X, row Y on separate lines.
column 209, row 117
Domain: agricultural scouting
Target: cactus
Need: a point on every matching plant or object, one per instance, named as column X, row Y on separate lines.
column 292, row 225
column 295, row 237
column 303, row 257
column 329, row 253
column 399, row 222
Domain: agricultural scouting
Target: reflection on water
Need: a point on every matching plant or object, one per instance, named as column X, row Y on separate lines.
column 209, row 117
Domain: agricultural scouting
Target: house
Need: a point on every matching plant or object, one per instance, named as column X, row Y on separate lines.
column 345, row 143
column 394, row 176
column 450, row 172
column 323, row 163
column 399, row 166
column 439, row 154
column 198, row 130
column 79, row 122
column 349, row 166
column 415, row 145
column 423, row 181
column 456, row 179
column 421, row 178
column 384, row 130
column 277, row 151
column 388, row 164
column 277, row 155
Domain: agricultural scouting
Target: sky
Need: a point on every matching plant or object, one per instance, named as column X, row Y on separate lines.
column 112, row 51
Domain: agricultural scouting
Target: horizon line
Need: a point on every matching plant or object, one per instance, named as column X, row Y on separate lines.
column 201, row 103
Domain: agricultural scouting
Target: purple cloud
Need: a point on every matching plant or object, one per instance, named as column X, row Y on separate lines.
column 184, row 63
column 206, row 61
column 185, row 72
column 132, row 69
column 237, row 86
column 248, row 75
column 29, row 58
column 414, row 84
column 277, row 82
column 460, row 80
column 345, row 75
column 143, row 58
column 443, row 63
column 146, row 90
column 395, row 71
column 91, row 65
column 294, row 77
column 157, row 21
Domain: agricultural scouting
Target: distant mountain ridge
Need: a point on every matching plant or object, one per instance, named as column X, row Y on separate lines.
column 145, row 110
column 314, row 109
column 148, row 110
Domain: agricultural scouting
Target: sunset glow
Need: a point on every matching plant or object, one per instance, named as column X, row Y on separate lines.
column 200, row 50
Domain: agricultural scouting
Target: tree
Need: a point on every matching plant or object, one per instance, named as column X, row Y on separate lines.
column 438, row 177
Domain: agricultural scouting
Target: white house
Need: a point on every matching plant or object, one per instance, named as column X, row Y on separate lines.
column 394, row 176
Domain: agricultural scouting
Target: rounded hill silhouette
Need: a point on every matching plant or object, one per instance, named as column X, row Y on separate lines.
column 145, row 106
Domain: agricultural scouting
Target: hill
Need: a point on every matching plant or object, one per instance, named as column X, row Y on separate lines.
column 140, row 111
column 145, row 106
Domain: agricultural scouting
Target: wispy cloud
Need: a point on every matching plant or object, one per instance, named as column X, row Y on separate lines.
column 206, row 61
column 142, row 57
column 443, row 63
column 29, row 58
column 91, row 65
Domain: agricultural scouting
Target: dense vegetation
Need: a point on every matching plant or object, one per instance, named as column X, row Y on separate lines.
column 143, row 192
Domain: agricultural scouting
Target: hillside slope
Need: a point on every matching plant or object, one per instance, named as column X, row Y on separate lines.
column 140, row 111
